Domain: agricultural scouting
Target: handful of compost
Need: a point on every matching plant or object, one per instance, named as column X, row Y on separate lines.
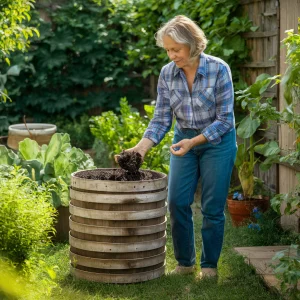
column 130, row 161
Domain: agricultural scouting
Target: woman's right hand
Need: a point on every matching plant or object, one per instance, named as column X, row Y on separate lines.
column 133, row 149
column 142, row 148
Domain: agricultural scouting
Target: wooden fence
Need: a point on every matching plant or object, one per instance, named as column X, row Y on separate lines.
column 289, row 13
column 273, row 17
column 264, row 47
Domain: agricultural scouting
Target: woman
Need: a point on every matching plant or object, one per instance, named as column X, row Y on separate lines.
column 197, row 89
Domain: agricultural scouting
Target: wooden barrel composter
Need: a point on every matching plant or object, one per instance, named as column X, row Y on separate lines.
column 118, row 229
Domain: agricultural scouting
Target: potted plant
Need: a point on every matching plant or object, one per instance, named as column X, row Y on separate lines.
column 260, row 112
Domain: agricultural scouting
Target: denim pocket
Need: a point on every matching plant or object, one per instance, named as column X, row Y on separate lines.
column 184, row 133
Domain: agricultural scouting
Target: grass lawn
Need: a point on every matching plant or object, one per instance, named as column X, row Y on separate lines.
column 236, row 279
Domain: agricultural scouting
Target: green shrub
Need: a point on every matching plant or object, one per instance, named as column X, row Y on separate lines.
column 26, row 217
column 77, row 63
column 120, row 132
column 102, row 157
column 79, row 131
column 35, row 280
column 90, row 55
column 287, row 270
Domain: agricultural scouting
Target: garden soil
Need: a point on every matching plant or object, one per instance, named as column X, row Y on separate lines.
column 130, row 162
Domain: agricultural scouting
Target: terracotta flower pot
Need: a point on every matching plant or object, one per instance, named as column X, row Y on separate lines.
column 242, row 210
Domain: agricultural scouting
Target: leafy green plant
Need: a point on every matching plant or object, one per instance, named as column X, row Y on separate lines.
column 15, row 34
column 290, row 80
column 12, row 71
column 51, row 164
column 78, row 129
column 26, row 216
column 124, row 131
column 272, row 152
column 102, row 158
column 260, row 113
column 288, row 270
column 291, row 118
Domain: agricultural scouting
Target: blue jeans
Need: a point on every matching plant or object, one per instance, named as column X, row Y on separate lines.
column 213, row 165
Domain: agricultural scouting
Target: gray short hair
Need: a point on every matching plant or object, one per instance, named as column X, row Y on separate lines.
column 183, row 31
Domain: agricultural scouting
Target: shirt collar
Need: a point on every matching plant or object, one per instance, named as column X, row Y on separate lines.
column 201, row 68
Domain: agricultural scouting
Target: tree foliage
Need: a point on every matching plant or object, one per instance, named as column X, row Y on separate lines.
column 222, row 22
column 77, row 64
column 14, row 34
column 90, row 55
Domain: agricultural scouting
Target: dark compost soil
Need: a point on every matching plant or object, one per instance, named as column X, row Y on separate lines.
column 129, row 162
column 117, row 175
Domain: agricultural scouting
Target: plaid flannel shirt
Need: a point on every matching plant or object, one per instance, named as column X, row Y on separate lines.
column 208, row 108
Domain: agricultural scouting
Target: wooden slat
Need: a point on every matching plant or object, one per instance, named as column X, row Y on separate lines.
column 259, row 34
column 117, row 215
column 264, row 56
column 260, row 65
column 118, row 278
column 270, row 13
column 116, row 264
column 244, row 2
column 118, row 247
column 89, row 196
column 270, row 95
column 82, row 184
column 117, row 231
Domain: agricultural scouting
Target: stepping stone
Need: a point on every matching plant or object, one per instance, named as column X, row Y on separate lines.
column 261, row 259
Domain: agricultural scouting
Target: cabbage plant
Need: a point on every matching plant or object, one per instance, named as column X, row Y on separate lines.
column 51, row 164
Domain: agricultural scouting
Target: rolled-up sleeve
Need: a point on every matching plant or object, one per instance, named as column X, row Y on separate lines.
column 224, row 96
column 162, row 119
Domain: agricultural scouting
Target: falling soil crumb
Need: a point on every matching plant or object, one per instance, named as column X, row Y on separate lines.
column 117, row 175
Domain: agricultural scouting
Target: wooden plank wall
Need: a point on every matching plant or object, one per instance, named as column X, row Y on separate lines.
column 263, row 43
column 264, row 58
column 289, row 13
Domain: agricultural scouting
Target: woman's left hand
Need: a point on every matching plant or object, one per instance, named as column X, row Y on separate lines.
column 182, row 147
